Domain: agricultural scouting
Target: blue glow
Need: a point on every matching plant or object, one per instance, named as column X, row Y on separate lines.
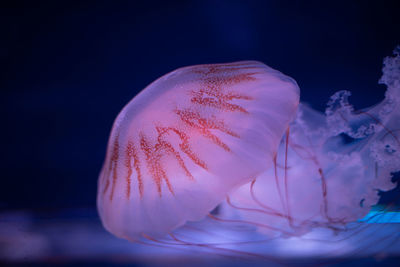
column 375, row 216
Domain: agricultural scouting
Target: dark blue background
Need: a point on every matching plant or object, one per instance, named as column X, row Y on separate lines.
column 68, row 68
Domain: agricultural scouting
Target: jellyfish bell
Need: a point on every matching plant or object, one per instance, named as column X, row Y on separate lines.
column 189, row 139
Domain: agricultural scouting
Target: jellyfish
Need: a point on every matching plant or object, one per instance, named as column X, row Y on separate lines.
column 224, row 154
column 187, row 140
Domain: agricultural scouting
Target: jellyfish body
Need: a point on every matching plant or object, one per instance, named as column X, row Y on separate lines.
column 229, row 135
column 189, row 139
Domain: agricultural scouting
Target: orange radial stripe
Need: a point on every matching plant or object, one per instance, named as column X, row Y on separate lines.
column 131, row 153
column 106, row 186
column 203, row 126
column 220, row 103
column 136, row 164
column 185, row 147
column 128, row 156
column 222, row 68
column 168, row 147
column 151, row 161
column 114, row 165
column 229, row 79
